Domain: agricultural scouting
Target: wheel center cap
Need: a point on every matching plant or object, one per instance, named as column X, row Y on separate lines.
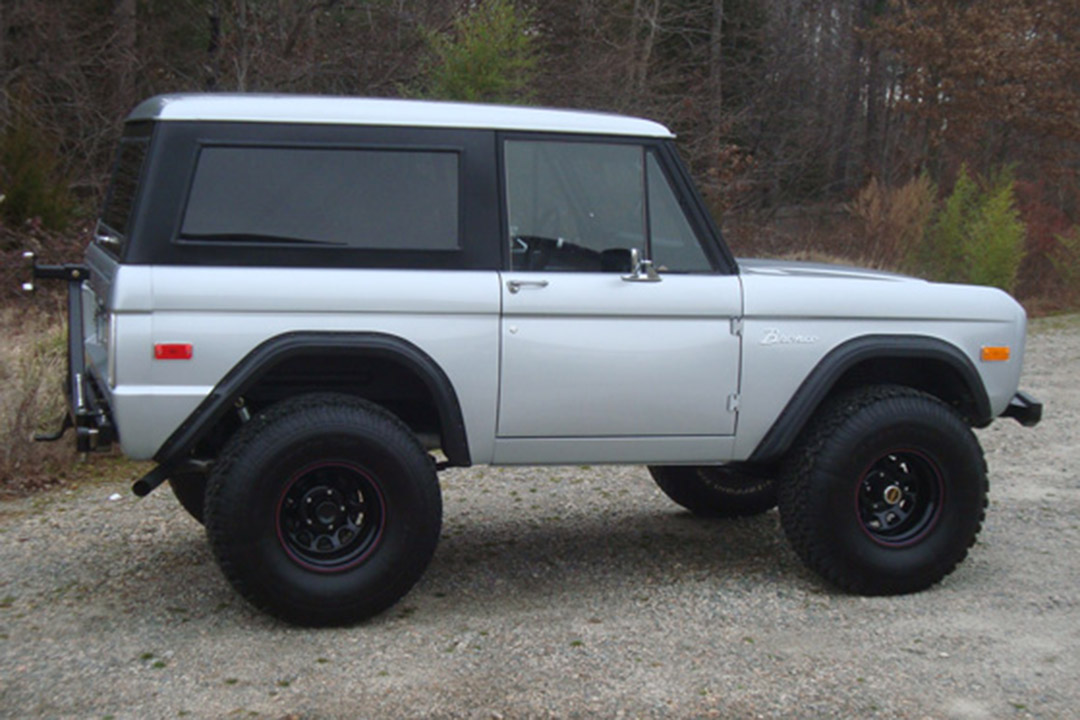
column 327, row 512
column 892, row 494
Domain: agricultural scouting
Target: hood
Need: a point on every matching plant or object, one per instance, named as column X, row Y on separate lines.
column 778, row 288
column 791, row 268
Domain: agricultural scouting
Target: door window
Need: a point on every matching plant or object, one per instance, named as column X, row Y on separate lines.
column 674, row 244
column 578, row 206
column 574, row 206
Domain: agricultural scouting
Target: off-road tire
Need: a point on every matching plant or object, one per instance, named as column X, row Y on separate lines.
column 715, row 491
column 845, row 485
column 259, row 497
column 189, row 488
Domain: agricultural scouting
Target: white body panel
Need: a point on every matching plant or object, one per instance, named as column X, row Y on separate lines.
column 796, row 313
column 592, row 368
column 322, row 110
column 590, row 356
column 452, row 316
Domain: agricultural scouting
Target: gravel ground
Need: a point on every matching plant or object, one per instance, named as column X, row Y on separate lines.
column 563, row 592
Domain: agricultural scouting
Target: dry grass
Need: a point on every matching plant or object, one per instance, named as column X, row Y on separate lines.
column 894, row 220
column 32, row 366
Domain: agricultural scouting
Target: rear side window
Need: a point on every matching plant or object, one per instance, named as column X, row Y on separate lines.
column 346, row 197
column 120, row 200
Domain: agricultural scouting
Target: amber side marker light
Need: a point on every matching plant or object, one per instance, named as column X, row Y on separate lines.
column 991, row 353
column 173, row 351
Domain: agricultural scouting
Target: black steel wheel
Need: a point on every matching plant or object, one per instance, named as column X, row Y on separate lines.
column 323, row 510
column 900, row 497
column 330, row 516
column 715, row 490
column 885, row 492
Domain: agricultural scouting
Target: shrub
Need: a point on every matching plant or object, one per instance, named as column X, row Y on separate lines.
column 489, row 56
column 977, row 236
column 32, row 185
column 894, row 220
column 1066, row 261
column 1045, row 274
column 994, row 245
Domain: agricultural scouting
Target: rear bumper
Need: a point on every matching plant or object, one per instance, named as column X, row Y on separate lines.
column 1025, row 409
column 88, row 411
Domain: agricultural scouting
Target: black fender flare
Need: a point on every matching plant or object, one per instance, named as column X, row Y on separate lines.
column 257, row 363
column 821, row 380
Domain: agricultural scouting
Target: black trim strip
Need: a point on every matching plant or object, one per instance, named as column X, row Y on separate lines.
column 686, row 190
column 832, row 367
column 256, row 364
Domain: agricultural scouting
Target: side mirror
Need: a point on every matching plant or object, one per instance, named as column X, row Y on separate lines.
column 642, row 270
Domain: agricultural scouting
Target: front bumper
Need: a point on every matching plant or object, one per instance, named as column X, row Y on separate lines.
column 1025, row 409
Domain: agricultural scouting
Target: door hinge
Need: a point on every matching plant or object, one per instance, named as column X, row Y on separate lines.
column 736, row 326
column 733, row 402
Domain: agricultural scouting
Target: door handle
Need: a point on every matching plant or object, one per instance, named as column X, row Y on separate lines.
column 515, row 285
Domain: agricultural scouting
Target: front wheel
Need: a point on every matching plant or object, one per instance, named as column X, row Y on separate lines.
column 323, row 510
column 885, row 492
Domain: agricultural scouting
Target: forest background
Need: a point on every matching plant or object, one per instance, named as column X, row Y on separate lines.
column 935, row 137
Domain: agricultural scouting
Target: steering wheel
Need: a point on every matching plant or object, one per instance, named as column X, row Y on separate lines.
column 537, row 251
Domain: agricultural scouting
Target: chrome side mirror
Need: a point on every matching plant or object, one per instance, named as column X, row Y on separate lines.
column 642, row 270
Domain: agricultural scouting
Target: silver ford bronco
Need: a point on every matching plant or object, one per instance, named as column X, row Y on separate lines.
column 303, row 308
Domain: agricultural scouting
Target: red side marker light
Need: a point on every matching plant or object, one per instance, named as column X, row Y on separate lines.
column 173, row 351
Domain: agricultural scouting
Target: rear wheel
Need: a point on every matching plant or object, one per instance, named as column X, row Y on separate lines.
column 715, row 490
column 886, row 491
column 323, row 510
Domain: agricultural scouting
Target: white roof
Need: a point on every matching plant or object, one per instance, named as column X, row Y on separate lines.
column 369, row 111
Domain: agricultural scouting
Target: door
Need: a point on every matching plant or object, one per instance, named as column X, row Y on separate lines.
column 591, row 347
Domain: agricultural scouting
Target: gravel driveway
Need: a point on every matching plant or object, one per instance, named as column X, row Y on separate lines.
column 563, row 592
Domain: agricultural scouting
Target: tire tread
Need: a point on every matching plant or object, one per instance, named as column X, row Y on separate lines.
column 328, row 405
column 798, row 484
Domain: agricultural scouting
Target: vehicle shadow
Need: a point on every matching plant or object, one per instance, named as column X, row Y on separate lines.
column 502, row 566
column 514, row 564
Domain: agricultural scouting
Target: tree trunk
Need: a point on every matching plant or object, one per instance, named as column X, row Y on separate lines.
column 872, row 152
column 3, row 62
column 242, row 59
column 715, row 100
column 213, row 44
column 853, row 84
column 127, row 58
column 652, row 21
